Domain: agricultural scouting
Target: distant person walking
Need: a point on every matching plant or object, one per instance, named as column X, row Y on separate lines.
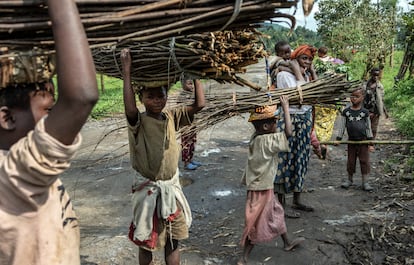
column 374, row 101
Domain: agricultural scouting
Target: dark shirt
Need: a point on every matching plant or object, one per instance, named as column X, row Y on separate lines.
column 357, row 124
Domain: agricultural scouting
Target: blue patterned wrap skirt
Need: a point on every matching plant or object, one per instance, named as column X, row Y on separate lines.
column 293, row 165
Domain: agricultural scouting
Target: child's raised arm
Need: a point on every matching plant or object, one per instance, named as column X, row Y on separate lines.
column 199, row 98
column 130, row 104
column 284, row 101
column 76, row 77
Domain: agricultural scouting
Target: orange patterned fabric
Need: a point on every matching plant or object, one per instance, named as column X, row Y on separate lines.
column 304, row 49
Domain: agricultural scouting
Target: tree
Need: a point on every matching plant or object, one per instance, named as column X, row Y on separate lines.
column 358, row 24
column 299, row 36
column 408, row 59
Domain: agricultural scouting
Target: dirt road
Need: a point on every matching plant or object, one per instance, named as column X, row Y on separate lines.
column 347, row 226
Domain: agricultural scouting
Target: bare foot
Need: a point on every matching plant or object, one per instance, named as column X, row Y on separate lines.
column 371, row 148
column 242, row 261
column 294, row 243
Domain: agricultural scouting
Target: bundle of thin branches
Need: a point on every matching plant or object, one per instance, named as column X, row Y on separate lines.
column 219, row 55
column 25, row 23
column 33, row 66
column 331, row 89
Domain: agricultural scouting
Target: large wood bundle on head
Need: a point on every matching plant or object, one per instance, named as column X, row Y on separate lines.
column 112, row 22
column 330, row 89
column 216, row 55
column 153, row 30
column 33, row 66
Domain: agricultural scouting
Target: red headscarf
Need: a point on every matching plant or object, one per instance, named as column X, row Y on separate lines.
column 303, row 49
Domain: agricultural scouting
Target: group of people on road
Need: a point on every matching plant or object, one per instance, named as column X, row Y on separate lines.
column 37, row 143
column 279, row 149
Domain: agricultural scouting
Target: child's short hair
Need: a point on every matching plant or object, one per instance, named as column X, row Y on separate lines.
column 18, row 95
column 375, row 69
column 323, row 50
column 360, row 87
column 140, row 89
column 258, row 124
column 280, row 44
column 184, row 78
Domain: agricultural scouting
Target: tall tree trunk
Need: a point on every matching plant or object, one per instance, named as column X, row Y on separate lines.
column 392, row 56
column 407, row 63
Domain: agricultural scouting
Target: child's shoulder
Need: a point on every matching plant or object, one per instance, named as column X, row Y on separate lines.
column 364, row 110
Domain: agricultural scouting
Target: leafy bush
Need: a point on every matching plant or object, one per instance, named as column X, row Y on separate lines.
column 400, row 101
column 330, row 67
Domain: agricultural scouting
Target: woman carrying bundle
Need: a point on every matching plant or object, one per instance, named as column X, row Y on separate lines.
column 293, row 165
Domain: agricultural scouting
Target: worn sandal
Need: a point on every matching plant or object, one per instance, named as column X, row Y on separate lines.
column 302, row 207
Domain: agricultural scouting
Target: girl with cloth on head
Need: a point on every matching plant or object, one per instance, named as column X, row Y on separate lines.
column 293, row 165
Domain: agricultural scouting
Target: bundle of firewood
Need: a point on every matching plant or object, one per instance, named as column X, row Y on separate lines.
column 25, row 23
column 32, row 66
column 216, row 55
column 331, row 89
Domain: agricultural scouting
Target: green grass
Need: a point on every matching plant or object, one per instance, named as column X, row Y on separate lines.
column 110, row 98
column 400, row 101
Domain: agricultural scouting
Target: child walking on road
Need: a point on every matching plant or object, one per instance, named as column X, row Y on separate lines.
column 355, row 119
column 265, row 219
column 37, row 141
column 161, row 214
column 374, row 102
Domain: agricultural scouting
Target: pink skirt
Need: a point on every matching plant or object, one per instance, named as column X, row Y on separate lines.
column 265, row 217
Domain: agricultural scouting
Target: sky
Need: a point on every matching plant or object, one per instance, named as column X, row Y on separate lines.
column 309, row 22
